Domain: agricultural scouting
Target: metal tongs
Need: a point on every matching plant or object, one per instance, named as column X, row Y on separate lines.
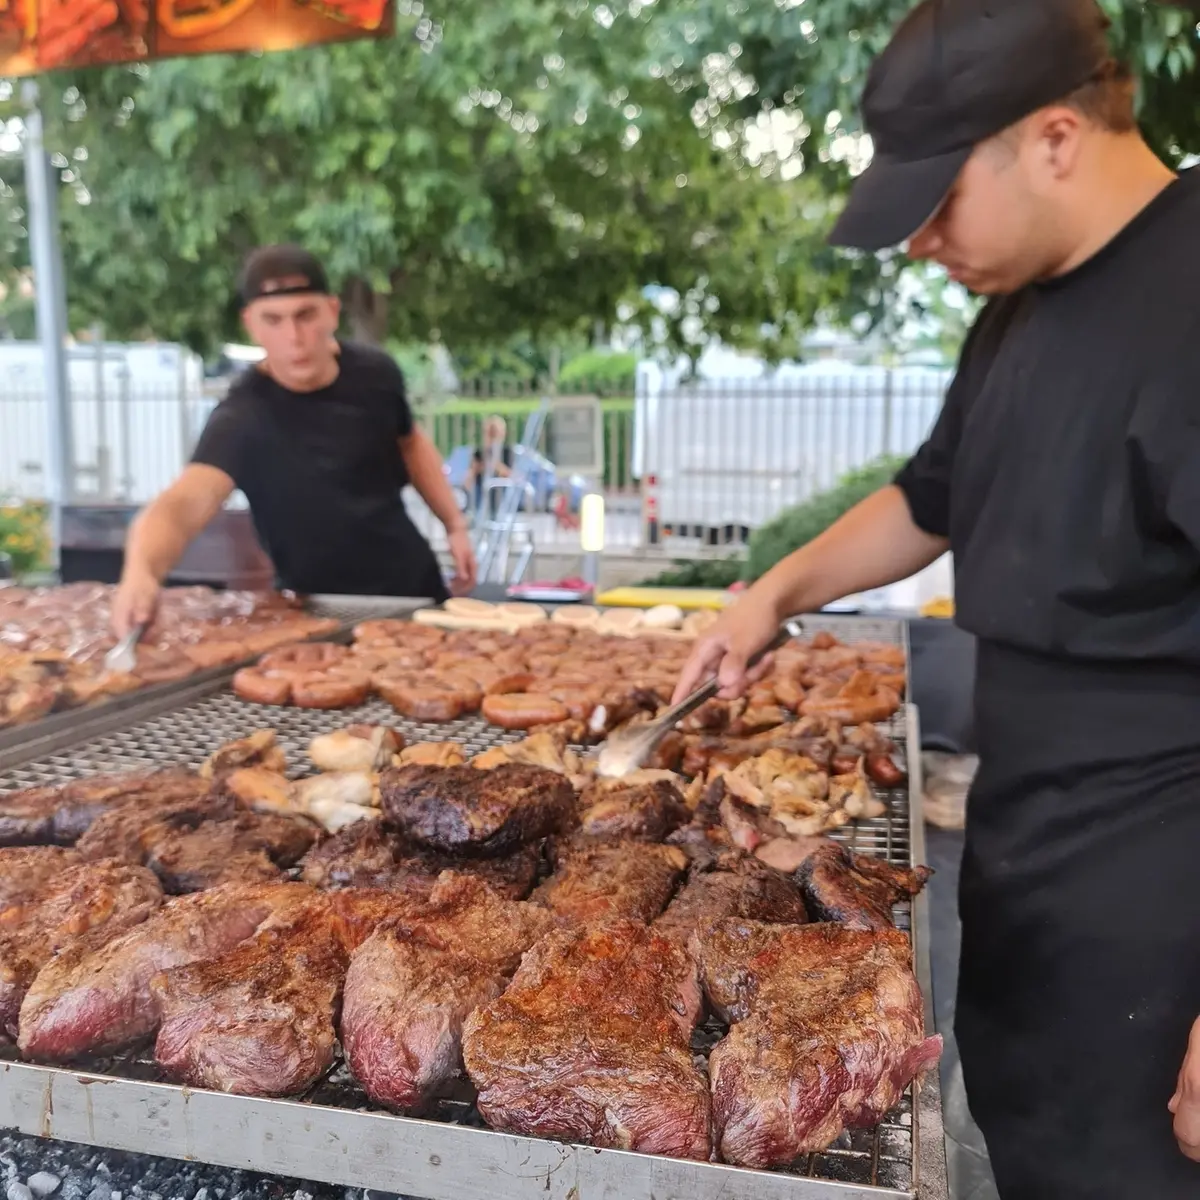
column 625, row 751
column 122, row 658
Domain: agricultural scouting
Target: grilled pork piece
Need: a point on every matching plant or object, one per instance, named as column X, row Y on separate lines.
column 643, row 809
column 856, row 889
column 461, row 810
column 118, row 832
column 95, row 901
column 591, row 1043
column 259, row 1020
column 62, row 815
column 828, row 1032
column 89, row 1000
column 630, row 880
column 746, row 889
column 368, row 855
column 25, row 869
column 415, row 980
column 247, row 847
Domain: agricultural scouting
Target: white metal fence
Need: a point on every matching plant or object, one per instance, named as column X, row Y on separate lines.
column 709, row 460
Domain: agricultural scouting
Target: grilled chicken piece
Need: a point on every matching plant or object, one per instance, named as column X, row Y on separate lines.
column 261, row 749
column 432, row 754
column 357, row 748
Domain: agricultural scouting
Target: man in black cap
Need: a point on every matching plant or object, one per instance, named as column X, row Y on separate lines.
column 1064, row 475
column 320, row 438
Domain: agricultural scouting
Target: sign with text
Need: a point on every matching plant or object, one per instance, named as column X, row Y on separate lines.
column 45, row 35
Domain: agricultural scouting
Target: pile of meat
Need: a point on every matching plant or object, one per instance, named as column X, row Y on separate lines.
column 53, row 642
column 553, row 674
column 554, row 938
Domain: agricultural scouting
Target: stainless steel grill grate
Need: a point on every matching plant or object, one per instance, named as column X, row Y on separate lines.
column 881, row 1157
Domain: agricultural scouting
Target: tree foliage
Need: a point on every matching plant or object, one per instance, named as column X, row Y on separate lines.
column 511, row 173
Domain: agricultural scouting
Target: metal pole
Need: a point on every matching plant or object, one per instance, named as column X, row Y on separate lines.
column 103, row 450
column 46, row 254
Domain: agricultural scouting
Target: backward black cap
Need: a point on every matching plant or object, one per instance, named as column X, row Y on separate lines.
column 955, row 73
column 281, row 271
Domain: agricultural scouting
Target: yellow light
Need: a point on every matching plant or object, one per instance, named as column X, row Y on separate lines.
column 591, row 523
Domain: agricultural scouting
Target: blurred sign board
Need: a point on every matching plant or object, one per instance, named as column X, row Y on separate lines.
column 45, row 35
column 576, row 435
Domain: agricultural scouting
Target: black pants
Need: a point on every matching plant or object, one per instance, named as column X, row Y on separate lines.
column 1080, row 969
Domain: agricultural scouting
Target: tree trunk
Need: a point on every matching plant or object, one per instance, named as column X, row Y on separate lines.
column 366, row 311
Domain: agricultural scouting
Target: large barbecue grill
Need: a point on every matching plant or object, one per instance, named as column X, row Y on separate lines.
column 335, row 1134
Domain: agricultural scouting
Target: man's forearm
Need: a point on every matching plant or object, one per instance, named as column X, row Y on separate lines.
column 425, row 470
column 874, row 544
column 157, row 541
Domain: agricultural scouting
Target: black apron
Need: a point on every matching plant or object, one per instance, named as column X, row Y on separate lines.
column 1080, row 904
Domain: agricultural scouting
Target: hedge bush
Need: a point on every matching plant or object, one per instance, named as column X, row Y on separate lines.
column 25, row 535
column 796, row 527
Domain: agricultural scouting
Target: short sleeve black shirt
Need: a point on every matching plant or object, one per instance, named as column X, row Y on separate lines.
column 1065, row 465
column 322, row 472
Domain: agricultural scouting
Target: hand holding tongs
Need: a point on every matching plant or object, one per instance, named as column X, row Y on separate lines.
column 626, row 751
column 122, row 658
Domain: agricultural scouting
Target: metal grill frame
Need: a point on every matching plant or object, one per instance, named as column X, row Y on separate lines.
column 77, row 723
column 334, row 1135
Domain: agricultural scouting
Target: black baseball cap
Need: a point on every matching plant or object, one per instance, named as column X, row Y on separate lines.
column 955, row 73
column 281, row 271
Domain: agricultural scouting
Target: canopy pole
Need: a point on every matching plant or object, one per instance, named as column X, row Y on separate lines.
column 45, row 251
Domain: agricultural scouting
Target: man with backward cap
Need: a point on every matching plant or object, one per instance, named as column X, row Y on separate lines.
column 1064, row 475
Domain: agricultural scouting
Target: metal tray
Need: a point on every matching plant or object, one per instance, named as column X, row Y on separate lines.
column 77, row 723
column 335, row 1135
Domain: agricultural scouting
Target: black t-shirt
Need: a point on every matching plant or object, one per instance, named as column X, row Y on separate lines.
column 322, row 472
column 1065, row 465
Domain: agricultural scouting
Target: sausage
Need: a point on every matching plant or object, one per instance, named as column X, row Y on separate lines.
column 885, row 771
column 302, row 658
column 523, row 711
column 331, row 689
column 252, row 684
column 420, row 703
column 510, row 685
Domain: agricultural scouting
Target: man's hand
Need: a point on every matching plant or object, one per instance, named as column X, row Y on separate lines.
column 746, row 628
column 135, row 603
column 1185, row 1104
column 466, row 571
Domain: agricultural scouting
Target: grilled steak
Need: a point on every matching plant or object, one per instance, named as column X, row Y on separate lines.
column 413, row 983
column 591, row 1043
column 118, row 832
column 615, row 809
column 747, row 889
column 95, row 901
column 369, row 855
column 462, row 810
column 856, row 889
column 24, row 869
column 47, row 815
column 248, row 847
column 92, row 1001
column 629, row 880
column 27, row 816
column 828, row 1032
column 259, row 1020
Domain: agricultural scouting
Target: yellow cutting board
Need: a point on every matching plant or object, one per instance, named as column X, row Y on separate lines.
column 651, row 597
